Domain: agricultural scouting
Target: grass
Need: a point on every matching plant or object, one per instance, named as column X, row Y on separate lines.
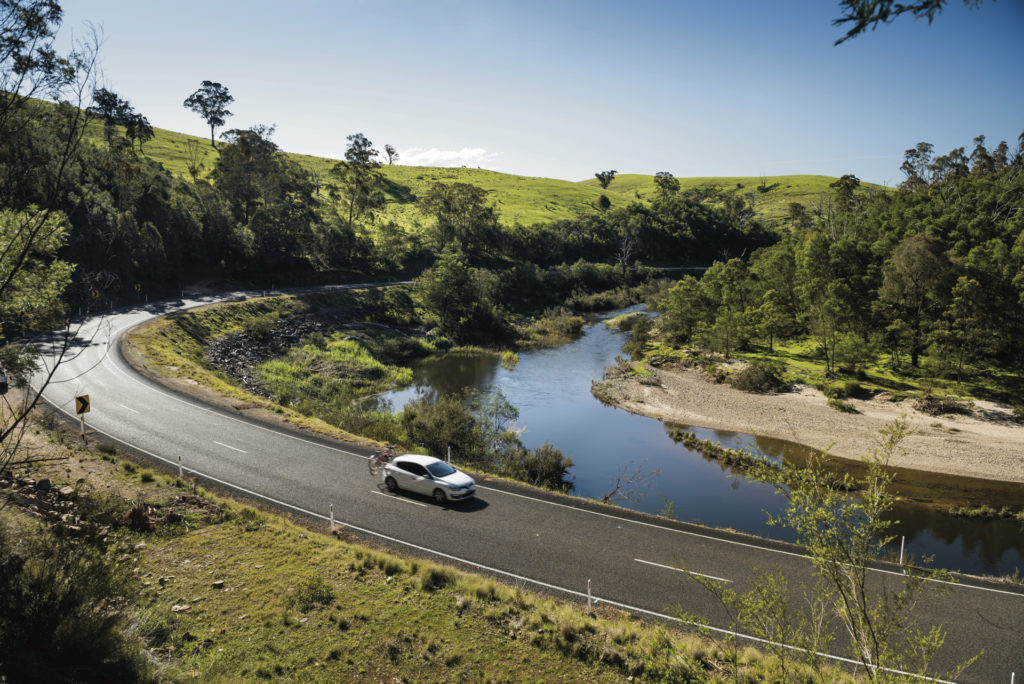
column 172, row 346
column 227, row 592
column 803, row 365
column 340, row 368
column 519, row 199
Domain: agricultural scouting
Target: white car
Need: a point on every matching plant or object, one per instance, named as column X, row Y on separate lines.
column 428, row 475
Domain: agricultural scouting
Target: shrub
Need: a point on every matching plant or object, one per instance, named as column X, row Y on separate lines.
column 760, row 375
column 935, row 405
column 842, row 406
column 543, row 467
column 260, row 327
column 1018, row 413
column 509, row 360
column 61, row 616
column 852, row 388
column 314, row 592
column 436, row 577
column 641, row 327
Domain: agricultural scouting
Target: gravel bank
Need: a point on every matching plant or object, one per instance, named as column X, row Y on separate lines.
column 985, row 444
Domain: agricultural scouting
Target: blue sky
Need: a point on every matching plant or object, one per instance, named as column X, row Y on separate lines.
column 563, row 89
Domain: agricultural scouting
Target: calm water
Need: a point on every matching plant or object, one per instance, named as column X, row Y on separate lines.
column 551, row 389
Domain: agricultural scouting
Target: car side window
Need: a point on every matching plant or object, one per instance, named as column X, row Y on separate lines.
column 416, row 469
column 407, row 467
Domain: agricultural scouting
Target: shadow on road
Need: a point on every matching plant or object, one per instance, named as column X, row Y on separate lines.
column 471, row 505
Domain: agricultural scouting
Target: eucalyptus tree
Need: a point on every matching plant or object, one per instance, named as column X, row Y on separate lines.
column 916, row 286
column 33, row 231
column 666, row 184
column 865, row 14
column 360, row 183
column 210, row 101
column 113, row 110
column 464, row 218
column 605, row 177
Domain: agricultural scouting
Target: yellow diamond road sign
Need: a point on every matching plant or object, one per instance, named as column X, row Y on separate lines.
column 82, row 404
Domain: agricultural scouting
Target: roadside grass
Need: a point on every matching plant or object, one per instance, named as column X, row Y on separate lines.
column 226, row 591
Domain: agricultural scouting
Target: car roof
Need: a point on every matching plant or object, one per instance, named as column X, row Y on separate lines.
column 417, row 458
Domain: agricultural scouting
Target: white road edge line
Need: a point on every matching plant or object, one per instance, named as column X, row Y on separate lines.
column 669, row 567
column 117, row 335
column 228, row 446
column 398, row 498
column 128, row 408
column 506, row 573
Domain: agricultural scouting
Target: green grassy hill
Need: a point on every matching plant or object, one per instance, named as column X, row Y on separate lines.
column 773, row 202
column 519, row 199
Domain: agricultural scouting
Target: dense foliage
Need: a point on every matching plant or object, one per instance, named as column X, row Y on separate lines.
column 933, row 272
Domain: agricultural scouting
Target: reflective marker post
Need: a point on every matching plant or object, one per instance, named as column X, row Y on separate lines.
column 590, row 600
column 332, row 518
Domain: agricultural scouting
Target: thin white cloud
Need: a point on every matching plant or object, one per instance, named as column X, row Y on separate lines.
column 467, row 156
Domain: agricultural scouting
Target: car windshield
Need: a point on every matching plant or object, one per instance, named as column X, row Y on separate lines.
column 440, row 469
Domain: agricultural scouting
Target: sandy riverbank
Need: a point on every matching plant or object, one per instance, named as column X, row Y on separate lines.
column 986, row 444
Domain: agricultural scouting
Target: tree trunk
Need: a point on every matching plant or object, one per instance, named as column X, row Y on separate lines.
column 213, row 144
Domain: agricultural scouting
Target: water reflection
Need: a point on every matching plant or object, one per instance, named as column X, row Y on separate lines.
column 551, row 389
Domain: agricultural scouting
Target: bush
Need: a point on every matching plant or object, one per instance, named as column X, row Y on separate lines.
column 852, row 388
column 436, row 577
column 641, row 327
column 760, row 375
column 442, row 422
column 61, row 616
column 314, row 592
column 1018, row 413
column 260, row 327
column 543, row 467
column 842, row 406
column 936, row 405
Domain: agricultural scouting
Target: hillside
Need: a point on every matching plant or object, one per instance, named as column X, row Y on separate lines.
column 519, row 199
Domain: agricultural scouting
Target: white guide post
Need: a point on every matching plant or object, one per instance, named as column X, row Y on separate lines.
column 590, row 600
column 903, row 541
column 332, row 519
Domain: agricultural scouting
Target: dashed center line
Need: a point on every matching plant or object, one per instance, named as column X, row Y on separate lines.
column 669, row 567
column 398, row 498
column 128, row 408
column 228, row 446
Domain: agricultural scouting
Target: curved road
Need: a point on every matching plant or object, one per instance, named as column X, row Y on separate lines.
column 534, row 538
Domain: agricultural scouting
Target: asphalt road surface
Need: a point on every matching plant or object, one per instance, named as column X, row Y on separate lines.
column 536, row 539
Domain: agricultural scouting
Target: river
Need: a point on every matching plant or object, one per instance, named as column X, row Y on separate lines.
column 551, row 390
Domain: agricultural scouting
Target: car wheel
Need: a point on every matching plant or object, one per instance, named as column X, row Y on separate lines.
column 439, row 497
column 390, row 483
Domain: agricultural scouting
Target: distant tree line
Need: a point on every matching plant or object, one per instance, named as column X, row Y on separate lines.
column 933, row 270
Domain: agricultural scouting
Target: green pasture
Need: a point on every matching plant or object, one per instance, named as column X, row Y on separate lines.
column 518, row 199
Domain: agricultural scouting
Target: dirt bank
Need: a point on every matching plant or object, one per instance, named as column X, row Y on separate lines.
column 985, row 444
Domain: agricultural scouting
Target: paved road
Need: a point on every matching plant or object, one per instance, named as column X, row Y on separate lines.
column 536, row 539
